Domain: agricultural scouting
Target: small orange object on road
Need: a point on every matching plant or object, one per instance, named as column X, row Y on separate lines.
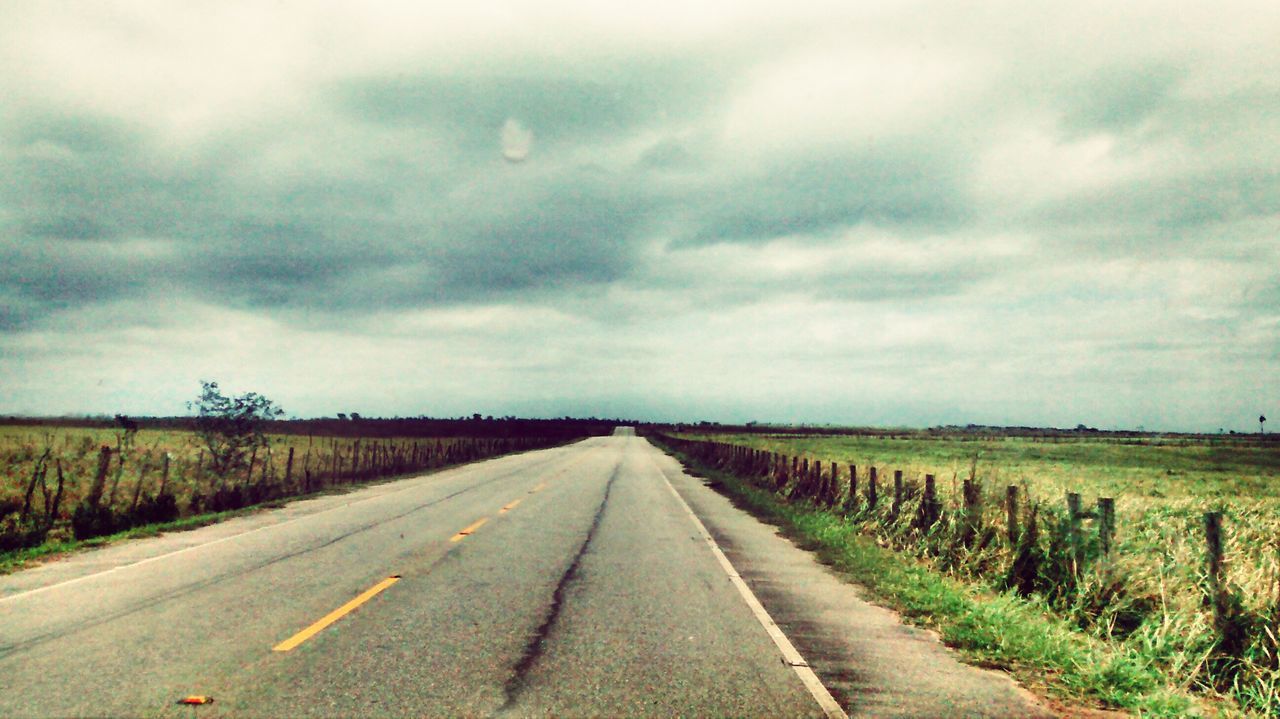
column 196, row 700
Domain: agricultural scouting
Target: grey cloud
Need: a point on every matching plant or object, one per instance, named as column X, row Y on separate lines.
column 575, row 228
column 555, row 109
column 43, row 277
column 81, row 176
column 64, row 227
column 1262, row 299
column 869, row 282
column 1119, row 98
column 886, row 185
column 353, row 243
column 667, row 154
column 292, row 241
column 1166, row 208
column 883, row 285
column 269, row 264
column 80, row 133
column 559, row 105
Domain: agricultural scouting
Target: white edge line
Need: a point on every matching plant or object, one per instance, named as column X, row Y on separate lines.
column 820, row 693
column 184, row 550
column 176, row 552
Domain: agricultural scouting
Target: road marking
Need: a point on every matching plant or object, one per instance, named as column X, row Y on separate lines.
column 468, row 530
column 829, row 705
column 335, row 615
column 510, row 506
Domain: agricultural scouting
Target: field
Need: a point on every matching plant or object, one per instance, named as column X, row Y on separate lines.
column 49, row 473
column 1205, row 625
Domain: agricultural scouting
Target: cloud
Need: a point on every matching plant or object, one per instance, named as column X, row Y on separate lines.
column 925, row 207
column 845, row 96
column 1120, row 99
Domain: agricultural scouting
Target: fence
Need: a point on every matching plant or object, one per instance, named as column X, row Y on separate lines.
column 1064, row 553
column 94, row 491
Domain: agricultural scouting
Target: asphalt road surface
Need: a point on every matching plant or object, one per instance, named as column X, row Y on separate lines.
column 574, row 581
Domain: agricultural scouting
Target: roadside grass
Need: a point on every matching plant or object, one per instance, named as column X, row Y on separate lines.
column 24, row 558
column 1023, row 636
column 326, row 462
column 20, row 559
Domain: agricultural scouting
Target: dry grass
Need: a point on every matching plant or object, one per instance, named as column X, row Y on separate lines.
column 137, row 469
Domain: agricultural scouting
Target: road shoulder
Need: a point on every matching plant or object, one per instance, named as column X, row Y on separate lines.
column 870, row 661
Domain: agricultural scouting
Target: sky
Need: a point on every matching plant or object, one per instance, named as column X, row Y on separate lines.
column 889, row 213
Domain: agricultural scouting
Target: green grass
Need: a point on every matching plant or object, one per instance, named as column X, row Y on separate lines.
column 1001, row 630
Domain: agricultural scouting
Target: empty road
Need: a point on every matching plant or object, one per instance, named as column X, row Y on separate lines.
column 573, row 581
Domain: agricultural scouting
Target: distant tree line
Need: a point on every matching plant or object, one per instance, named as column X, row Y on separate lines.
column 474, row 426
column 961, row 432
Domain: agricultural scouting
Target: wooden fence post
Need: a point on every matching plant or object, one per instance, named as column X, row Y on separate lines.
column 833, row 485
column 51, row 512
column 137, row 488
column 972, row 511
column 851, row 501
column 288, row 469
column 1074, row 520
column 248, row 472
column 1011, row 513
column 100, row 479
column 826, row 485
column 929, row 504
column 115, row 478
column 1214, row 565
column 871, row 487
column 897, row 493
column 38, row 473
column 164, row 477
column 1106, row 523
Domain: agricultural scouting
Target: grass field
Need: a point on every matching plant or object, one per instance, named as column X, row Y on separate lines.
column 1151, row 596
column 1153, row 469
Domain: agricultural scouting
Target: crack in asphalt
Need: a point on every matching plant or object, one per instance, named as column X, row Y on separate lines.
column 9, row 649
column 534, row 649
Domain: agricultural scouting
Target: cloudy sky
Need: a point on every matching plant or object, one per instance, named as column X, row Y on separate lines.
column 894, row 213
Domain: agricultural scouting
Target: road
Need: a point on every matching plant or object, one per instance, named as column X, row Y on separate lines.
column 573, row 581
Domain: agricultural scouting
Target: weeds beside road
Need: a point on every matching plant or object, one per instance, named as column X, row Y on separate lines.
column 62, row 487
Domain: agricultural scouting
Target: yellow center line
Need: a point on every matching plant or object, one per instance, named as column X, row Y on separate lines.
column 468, row 530
column 510, row 506
column 334, row 616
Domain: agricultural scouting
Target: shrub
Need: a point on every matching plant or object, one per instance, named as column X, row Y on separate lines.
column 231, row 428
